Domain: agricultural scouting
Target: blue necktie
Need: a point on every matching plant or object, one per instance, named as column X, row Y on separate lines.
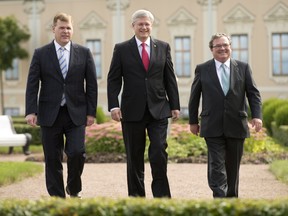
column 63, row 66
column 224, row 79
column 62, row 61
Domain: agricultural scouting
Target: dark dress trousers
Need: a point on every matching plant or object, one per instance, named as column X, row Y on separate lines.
column 80, row 87
column 224, row 123
column 146, row 103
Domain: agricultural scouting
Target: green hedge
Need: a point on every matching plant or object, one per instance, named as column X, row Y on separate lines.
column 280, row 133
column 144, row 207
column 281, row 115
column 269, row 112
column 100, row 116
column 34, row 131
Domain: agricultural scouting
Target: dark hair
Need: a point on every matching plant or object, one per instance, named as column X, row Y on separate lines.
column 216, row 36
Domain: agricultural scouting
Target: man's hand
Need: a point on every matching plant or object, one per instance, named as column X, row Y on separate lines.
column 257, row 123
column 175, row 114
column 194, row 128
column 116, row 114
column 31, row 119
column 90, row 120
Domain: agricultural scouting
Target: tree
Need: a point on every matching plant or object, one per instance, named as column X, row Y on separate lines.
column 11, row 36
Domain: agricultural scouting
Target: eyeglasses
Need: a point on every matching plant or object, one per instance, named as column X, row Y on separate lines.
column 218, row 46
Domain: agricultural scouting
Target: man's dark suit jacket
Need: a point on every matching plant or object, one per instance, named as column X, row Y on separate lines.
column 224, row 114
column 80, row 85
column 156, row 88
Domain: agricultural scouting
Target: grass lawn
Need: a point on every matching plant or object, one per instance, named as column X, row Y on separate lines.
column 18, row 149
column 16, row 171
column 280, row 170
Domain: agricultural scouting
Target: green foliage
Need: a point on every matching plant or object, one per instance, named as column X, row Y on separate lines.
column 269, row 111
column 101, row 117
column 281, row 115
column 105, row 137
column 186, row 145
column 105, row 145
column 18, row 120
column 11, row 35
column 34, row 131
column 263, row 145
column 15, row 171
column 280, row 133
column 182, row 145
column 19, row 149
column 280, row 170
column 268, row 102
column 144, row 207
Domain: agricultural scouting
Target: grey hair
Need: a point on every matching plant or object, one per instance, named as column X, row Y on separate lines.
column 216, row 36
column 142, row 13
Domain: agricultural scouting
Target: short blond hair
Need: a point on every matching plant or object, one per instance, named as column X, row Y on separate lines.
column 62, row 17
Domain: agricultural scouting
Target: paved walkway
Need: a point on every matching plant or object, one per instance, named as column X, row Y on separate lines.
column 187, row 181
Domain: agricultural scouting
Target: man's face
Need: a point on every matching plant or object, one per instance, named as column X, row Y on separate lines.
column 221, row 49
column 142, row 28
column 63, row 32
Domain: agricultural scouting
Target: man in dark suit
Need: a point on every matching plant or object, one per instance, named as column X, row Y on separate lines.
column 224, row 123
column 65, row 106
column 150, row 96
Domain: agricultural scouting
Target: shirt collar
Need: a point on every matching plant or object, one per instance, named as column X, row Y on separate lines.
column 147, row 42
column 218, row 64
column 67, row 46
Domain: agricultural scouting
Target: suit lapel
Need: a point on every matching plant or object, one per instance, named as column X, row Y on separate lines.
column 153, row 52
column 213, row 75
column 234, row 71
column 52, row 54
column 135, row 51
column 73, row 57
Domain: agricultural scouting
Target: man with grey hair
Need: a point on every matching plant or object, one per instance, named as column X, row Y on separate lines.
column 150, row 96
column 224, row 84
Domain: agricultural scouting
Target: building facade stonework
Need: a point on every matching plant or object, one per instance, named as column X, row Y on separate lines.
column 259, row 32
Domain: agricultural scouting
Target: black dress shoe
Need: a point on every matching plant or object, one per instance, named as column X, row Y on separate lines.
column 77, row 195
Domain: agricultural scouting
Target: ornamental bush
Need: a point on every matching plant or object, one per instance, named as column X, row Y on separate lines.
column 269, row 112
column 144, row 207
column 281, row 115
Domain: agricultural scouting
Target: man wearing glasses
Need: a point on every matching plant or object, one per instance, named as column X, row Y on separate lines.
column 224, row 84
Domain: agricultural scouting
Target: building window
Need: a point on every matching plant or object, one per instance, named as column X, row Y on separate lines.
column 12, row 111
column 95, row 48
column 182, row 56
column 280, row 54
column 240, row 47
column 13, row 73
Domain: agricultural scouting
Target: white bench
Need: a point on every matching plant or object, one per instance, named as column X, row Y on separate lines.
column 9, row 137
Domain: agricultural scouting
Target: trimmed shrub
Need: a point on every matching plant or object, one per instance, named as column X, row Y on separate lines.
column 18, row 120
column 268, row 102
column 269, row 111
column 34, row 131
column 280, row 133
column 144, row 207
column 281, row 115
column 101, row 117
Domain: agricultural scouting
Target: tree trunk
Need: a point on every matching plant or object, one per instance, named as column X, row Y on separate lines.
column 2, row 93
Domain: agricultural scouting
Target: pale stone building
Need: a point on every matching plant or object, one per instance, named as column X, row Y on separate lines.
column 259, row 31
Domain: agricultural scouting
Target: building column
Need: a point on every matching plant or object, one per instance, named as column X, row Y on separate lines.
column 209, row 22
column 34, row 8
column 118, row 18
